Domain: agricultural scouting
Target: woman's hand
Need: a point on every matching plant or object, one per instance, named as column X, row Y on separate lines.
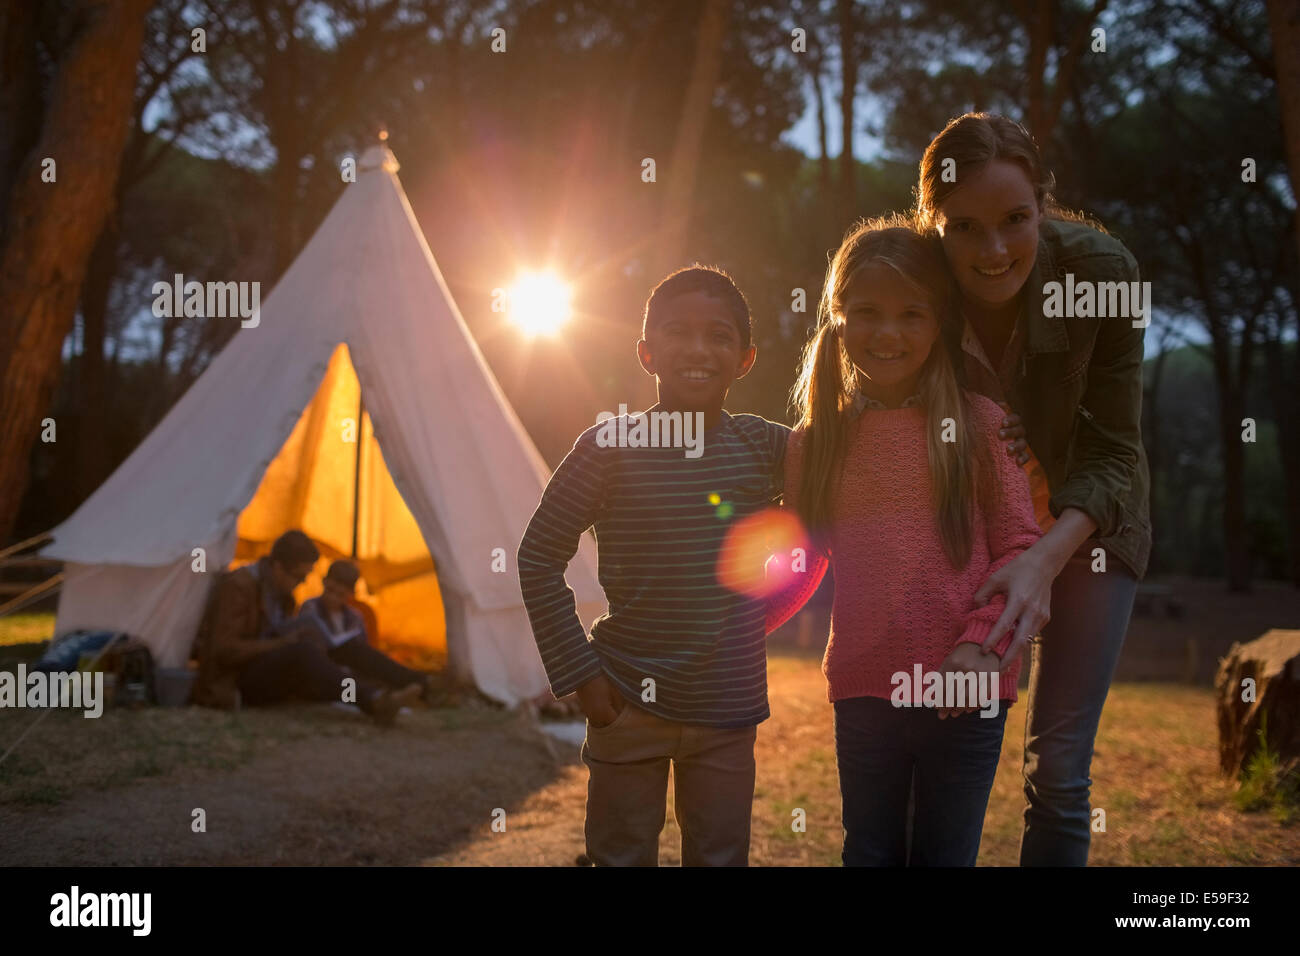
column 1027, row 583
column 1013, row 433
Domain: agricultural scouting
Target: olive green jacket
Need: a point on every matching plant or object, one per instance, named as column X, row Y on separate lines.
column 1078, row 391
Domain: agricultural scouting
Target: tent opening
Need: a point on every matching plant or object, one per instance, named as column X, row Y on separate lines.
column 329, row 480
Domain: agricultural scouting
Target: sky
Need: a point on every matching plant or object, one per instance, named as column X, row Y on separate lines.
column 803, row 135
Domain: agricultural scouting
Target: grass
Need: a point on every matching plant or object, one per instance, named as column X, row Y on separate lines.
column 1267, row 785
column 1154, row 774
column 66, row 754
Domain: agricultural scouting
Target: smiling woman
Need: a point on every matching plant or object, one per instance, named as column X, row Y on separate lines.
column 1078, row 388
column 539, row 303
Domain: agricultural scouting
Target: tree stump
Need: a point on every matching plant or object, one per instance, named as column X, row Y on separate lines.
column 1273, row 663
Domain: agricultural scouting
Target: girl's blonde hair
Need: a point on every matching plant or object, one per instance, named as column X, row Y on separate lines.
column 824, row 391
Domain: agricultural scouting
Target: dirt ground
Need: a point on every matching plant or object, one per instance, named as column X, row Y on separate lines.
column 310, row 785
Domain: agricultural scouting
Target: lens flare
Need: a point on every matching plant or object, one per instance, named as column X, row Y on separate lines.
column 762, row 553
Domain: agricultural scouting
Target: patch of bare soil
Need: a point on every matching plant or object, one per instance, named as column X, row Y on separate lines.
column 366, row 796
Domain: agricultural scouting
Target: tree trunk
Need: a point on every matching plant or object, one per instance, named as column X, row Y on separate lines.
column 93, row 398
column 284, row 190
column 1284, row 30
column 51, row 227
column 1284, row 27
column 1293, row 444
column 848, row 98
column 1043, row 103
column 1038, row 21
column 1236, row 554
column 815, row 69
column 1231, row 389
column 1151, row 433
column 1284, row 395
column 20, row 92
column 683, row 167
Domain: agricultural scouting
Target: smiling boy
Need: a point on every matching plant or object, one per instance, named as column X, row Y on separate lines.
column 676, row 670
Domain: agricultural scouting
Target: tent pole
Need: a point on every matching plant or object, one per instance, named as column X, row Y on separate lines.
column 356, row 472
column 24, row 545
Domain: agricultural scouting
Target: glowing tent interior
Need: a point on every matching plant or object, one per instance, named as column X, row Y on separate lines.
column 330, row 481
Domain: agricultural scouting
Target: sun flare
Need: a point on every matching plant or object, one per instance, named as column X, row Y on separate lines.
column 539, row 303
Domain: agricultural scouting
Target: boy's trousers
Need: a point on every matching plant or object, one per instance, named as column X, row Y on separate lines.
column 627, row 793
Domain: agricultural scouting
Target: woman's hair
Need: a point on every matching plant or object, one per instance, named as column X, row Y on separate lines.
column 824, row 390
column 972, row 141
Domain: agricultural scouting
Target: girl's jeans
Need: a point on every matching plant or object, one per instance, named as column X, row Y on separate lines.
column 880, row 748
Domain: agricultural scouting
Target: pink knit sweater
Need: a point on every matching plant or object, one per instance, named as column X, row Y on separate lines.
column 898, row 600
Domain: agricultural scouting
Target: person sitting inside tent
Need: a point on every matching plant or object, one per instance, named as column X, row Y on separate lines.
column 339, row 622
column 251, row 647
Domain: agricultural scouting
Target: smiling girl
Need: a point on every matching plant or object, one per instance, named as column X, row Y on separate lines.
column 1077, row 385
column 897, row 475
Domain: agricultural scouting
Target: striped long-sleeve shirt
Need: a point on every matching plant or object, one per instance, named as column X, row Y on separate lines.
column 660, row 520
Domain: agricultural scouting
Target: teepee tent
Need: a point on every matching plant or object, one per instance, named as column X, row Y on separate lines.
column 360, row 410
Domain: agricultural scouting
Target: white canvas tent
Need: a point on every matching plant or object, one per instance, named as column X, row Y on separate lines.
column 259, row 445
